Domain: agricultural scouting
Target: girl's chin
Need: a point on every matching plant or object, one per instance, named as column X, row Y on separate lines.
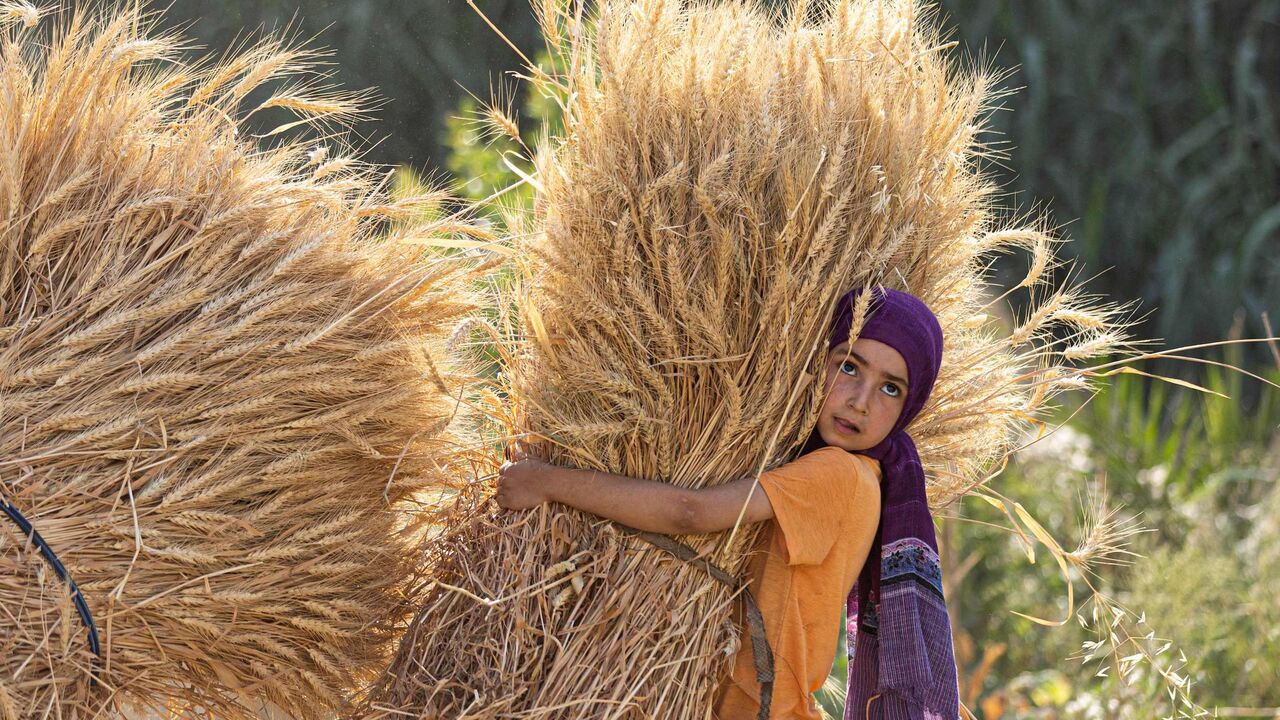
column 841, row 440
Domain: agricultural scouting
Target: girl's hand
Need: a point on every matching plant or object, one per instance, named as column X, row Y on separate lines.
column 522, row 483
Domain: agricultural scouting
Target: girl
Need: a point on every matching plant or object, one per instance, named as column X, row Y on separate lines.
column 857, row 488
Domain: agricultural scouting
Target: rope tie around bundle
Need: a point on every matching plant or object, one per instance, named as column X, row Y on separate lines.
column 762, row 654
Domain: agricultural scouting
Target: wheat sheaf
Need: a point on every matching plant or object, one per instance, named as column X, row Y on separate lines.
column 724, row 174
column 222, row 382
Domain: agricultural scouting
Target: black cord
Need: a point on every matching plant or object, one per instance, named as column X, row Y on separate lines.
column 77, row 597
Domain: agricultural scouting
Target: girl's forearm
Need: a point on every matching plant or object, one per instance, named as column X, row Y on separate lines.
column 642, row 504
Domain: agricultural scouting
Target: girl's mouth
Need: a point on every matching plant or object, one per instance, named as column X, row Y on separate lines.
column 846, row 426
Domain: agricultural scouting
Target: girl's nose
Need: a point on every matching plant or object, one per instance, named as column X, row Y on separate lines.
column 858, row 398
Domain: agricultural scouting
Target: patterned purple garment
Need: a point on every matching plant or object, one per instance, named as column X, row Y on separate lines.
column 901, row 661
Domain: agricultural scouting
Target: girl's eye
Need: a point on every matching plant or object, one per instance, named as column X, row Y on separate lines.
column 848, row 368
column 892, row 390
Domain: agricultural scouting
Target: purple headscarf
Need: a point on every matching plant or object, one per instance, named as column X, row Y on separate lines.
column 901, row 662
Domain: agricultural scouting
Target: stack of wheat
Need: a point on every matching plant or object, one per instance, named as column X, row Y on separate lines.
column 723, row 176
column 217, row 389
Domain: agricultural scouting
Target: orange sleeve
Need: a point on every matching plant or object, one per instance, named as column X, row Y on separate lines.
column 811, row 497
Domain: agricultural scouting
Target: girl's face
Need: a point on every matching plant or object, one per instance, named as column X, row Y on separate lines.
column 866, row 391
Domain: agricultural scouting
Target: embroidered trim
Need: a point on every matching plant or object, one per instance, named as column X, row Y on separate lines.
column 911, row 559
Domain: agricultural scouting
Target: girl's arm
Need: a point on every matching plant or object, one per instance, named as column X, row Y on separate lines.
column 642, row 504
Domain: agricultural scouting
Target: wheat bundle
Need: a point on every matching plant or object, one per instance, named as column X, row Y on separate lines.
column 724, row 175
column 217, row 388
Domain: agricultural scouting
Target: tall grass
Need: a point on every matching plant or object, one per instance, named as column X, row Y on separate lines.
column 1151, row 127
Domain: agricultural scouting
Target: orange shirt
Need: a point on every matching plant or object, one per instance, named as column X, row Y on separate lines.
column 826, row 507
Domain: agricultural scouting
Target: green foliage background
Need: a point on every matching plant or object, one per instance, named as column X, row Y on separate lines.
column 421, row 56
column 1150, row 130
column 1153, row 128
column 1199, row 471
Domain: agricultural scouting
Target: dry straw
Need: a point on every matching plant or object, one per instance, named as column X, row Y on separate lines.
column 723, row 176
column 217, row 387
